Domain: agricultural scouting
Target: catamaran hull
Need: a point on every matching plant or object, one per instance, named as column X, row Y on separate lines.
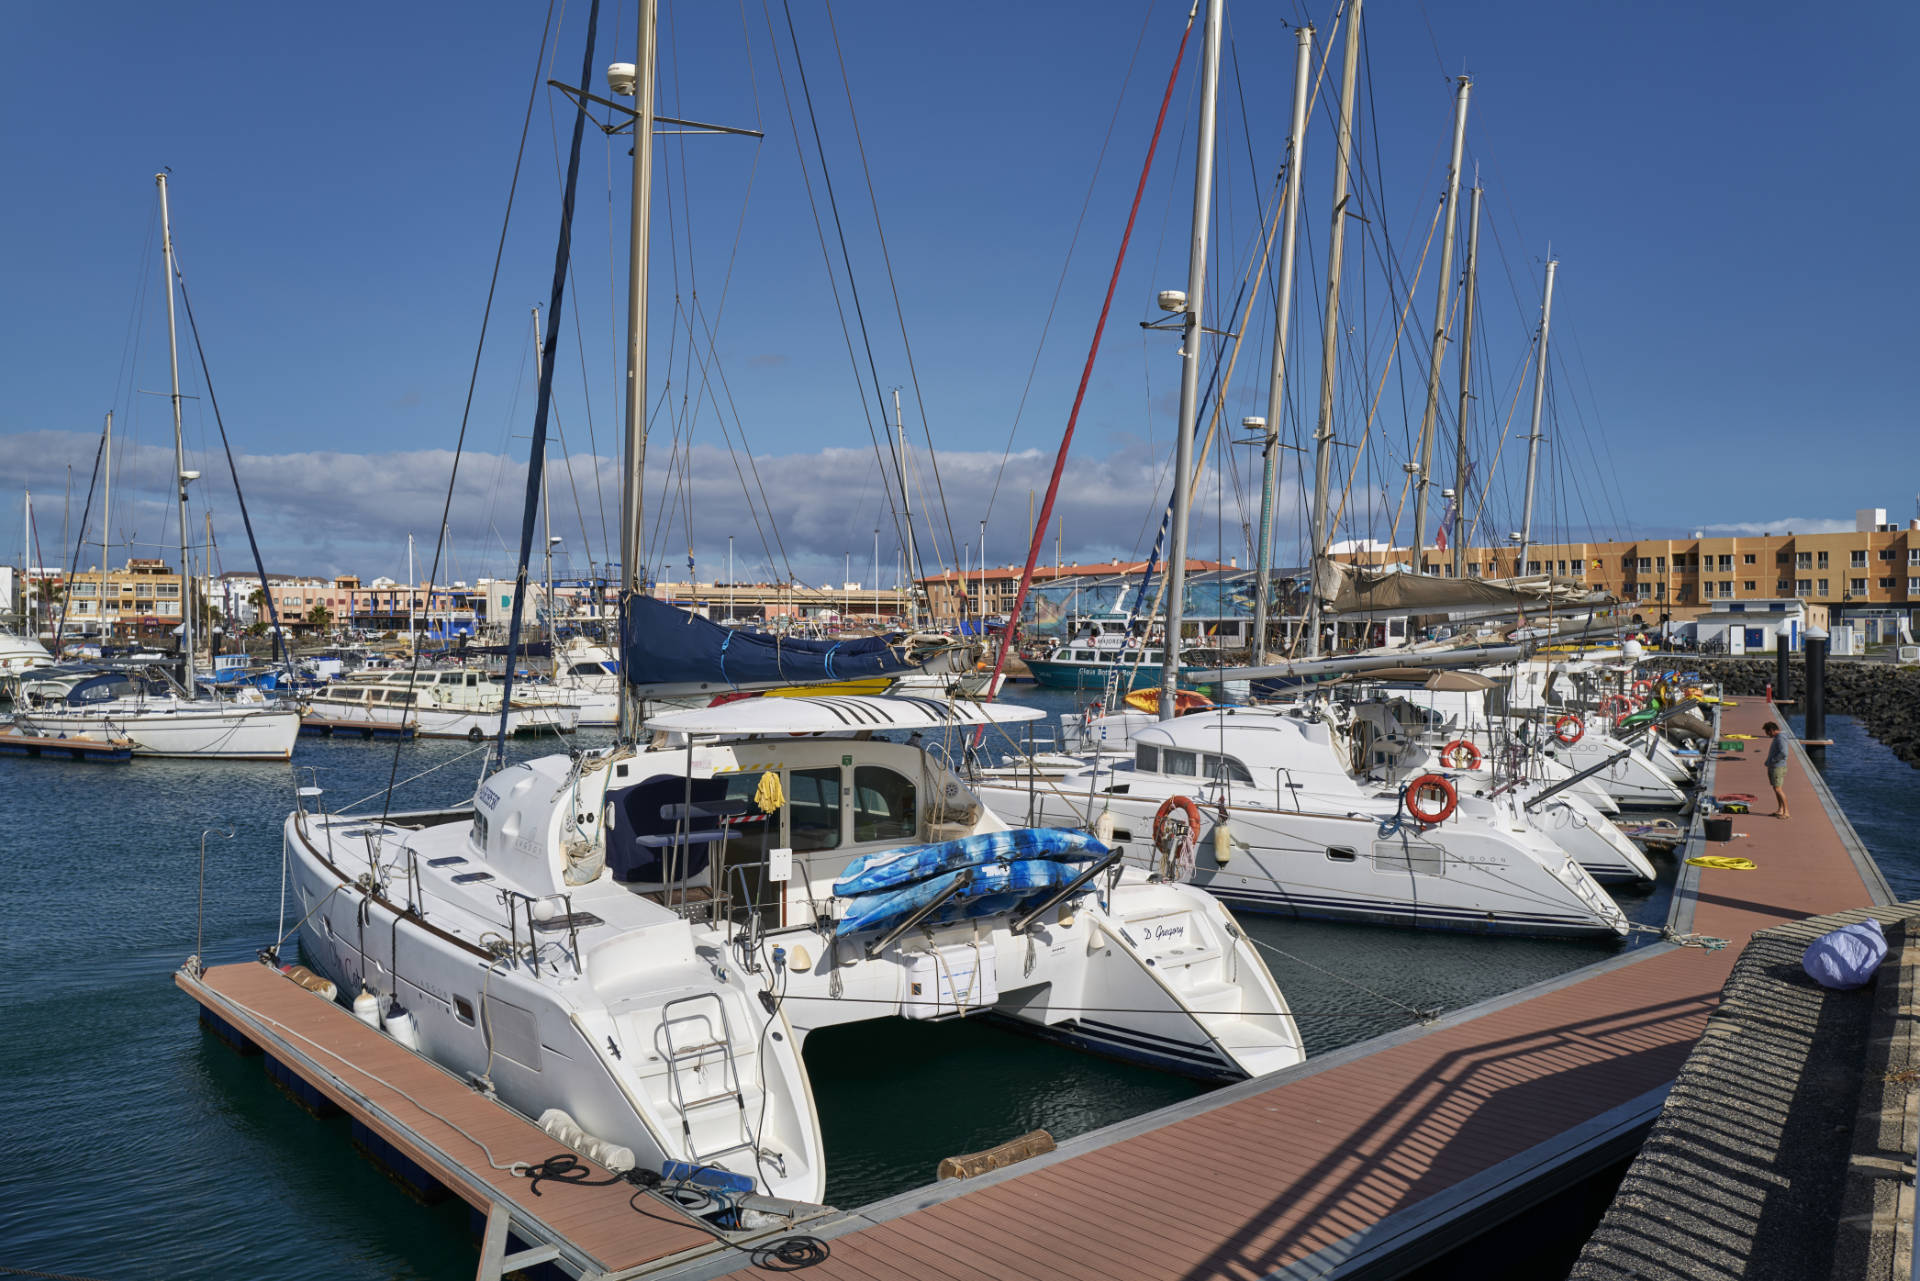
column 1335, row 868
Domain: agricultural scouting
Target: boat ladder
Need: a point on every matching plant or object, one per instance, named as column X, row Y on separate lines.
column 715, row 1046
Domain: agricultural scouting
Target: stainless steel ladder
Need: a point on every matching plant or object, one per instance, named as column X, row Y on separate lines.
column 695, row 1056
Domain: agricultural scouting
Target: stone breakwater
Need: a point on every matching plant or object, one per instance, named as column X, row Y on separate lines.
column 1885, row 697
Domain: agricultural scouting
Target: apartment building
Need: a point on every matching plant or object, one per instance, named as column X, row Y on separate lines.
column 141, row 595
column 1873, row 568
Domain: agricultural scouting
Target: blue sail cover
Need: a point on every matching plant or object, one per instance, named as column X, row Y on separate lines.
column 662, row 645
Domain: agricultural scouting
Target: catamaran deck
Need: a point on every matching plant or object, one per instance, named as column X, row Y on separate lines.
column 1366, row 1160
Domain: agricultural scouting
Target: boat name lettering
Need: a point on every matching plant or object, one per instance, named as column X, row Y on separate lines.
column 1169, row 932
column 488, row 797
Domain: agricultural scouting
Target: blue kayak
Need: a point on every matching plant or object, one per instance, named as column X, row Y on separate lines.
column 890, row 869
column 996, row 887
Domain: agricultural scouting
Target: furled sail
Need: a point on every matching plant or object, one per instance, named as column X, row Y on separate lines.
column 666, row 650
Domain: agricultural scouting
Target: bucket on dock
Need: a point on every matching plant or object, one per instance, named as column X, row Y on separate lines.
column 1718, row 829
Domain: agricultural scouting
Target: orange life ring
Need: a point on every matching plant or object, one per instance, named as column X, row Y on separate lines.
column 1569, row 729
column 1450, row 755
column 1187, row 807
column 1425, row 784
column 1615, row 705
column 1642, row 690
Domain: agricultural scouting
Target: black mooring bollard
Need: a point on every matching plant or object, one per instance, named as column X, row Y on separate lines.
column 1782, row 671
column 1816, row 692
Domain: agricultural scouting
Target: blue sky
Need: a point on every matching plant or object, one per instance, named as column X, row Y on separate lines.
column 1722, row 186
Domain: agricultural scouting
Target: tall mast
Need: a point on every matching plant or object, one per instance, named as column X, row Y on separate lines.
column 1330, row 328
column 1468, row 296
column 1417, row 561
column 413, row 642
column 106, row 519
column 632, row 489
column 906, row 507
column 1282, row 313
column 182, row 475
column 1533, row 437
column 546, row 505
column 1191, row 337
column 26, row 568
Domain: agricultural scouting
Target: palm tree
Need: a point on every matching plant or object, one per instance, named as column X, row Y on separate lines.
column 319, row 616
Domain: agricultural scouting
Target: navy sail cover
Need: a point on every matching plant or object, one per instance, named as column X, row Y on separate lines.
column 662, row 645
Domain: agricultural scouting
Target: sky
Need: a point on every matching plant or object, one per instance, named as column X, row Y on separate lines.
column 1722, row 185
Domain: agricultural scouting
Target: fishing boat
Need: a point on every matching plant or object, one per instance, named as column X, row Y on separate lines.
column 1110, row 662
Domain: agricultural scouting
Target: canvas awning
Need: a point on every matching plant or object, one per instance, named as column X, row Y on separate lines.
column 840, row 714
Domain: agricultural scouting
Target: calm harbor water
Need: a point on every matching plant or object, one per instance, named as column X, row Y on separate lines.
column 138, row 1147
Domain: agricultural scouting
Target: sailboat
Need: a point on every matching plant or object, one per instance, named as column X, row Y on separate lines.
column 642, row 936
column 170, row 719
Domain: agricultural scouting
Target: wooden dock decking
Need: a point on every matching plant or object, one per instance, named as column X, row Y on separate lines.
column 1335, row 1167
column 390, row 1089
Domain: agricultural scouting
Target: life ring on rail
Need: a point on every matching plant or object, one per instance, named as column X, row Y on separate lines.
column 1615, row 705
column 1643, row 690
column 1429, row 785
column 1175, row 844
column 1568, row 730
column 1460, row 754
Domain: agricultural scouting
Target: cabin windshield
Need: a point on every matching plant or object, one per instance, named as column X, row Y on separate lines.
column 813, row 809
column 884, row 805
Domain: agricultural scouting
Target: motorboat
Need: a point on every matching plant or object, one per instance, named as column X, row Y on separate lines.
column 645, row 938
column 21, row 653
column 453, row 702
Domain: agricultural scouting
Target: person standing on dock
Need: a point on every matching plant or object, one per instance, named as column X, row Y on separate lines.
column 1777, row 768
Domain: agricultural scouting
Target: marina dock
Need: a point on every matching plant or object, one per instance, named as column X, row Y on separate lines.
column 1372, row 1159
column 323, row 727
column 433, row 1130
column 1361, row 1162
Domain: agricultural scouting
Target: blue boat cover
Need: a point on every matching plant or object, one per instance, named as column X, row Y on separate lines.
column 889, row 869
column 996, row 887
column 665, row 645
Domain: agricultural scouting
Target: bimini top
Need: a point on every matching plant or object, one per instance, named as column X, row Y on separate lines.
column 831, row 714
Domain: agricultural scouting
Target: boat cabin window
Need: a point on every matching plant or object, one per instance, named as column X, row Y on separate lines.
column 1226, row 769
column 472, row 678
column 813, row 809
column 1083, row 656
column 1146, row 757
column 885, row 805
column 1185, row 764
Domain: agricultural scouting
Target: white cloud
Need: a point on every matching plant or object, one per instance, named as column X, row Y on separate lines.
column 1786, row 524
column 324, row 512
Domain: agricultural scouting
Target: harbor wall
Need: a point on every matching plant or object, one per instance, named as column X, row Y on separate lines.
column 1886, row 698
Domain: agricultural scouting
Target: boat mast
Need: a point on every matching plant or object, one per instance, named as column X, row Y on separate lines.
column 26, row 568
column 106, row 518
column 632, row 493
column 182, row 475
column 1330, row 328
column 1191, row 338
column 1282, row 313
column 906, row 505
column 412, row 642
column 546, row 508
column 1468, row 295
column 1533, row 437
column 1416, row 562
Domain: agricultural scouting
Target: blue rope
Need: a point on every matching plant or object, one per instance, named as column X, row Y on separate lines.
column 723, row 657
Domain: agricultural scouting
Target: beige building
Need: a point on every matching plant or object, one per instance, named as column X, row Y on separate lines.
column 145, row 594
column 1873, row 567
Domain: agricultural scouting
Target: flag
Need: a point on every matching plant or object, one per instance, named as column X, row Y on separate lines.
column 1446, row 520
